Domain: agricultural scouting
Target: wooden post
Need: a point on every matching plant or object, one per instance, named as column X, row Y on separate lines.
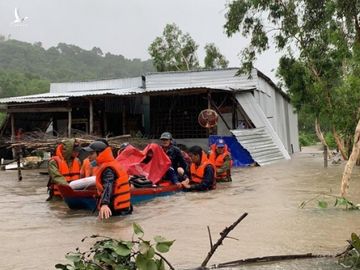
column 12, row 117
column 91, row 117
column 209, row 99
column 15, row 150
column 123, row 121
column 105, row 124
column 219, row 113
column 209, row 131
column 12, row 122
column 325, row 156
column 18, row 157
column 69, row 124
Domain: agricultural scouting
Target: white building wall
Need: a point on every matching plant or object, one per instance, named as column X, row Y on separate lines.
column 280, row 114
column 266, row 100
column 293, row 129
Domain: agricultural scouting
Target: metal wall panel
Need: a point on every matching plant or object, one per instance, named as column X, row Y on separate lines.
column 257, row 116
column 259, row 144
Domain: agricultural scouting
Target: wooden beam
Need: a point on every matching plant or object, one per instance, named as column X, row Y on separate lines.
column 123, row 121
column 105, row 124
column 219, row 113
column 209, row 99
column 40, row 110
column 208, row 130
column 12, row 119
column 69, row 124
column 91, row 117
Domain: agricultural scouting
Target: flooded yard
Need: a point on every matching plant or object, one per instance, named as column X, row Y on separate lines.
column 36, row 234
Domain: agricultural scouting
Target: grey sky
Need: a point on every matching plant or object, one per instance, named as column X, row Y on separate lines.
column 125, row 27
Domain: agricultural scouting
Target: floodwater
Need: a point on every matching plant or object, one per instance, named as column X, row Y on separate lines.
column 36, row 234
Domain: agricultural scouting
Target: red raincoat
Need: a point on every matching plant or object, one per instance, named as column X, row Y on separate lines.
column 132, row 159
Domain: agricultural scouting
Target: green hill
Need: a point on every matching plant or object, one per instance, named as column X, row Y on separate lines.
column 29, row 68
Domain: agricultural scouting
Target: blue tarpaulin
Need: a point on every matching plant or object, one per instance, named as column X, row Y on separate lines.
column 240, row 156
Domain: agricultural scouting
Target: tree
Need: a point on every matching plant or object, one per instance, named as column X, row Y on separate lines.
column 174, row 50
column 213, row 58
column 67, row 62
column 18, row 84
column 319, row 38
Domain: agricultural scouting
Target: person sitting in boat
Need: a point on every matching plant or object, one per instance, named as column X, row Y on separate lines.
column 220, row 157
column 64, row 166
column 89, row 166
column 202, row 171
column 112, row 182
column 179, row 167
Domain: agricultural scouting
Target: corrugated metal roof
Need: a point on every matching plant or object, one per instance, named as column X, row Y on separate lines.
column 222, row 79
column 259, row 144
column 125, row 83
column 50, row 97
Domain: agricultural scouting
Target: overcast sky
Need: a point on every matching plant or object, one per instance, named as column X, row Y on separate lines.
column 125, row 27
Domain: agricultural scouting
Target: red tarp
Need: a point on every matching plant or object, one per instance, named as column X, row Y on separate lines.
column 132, row 159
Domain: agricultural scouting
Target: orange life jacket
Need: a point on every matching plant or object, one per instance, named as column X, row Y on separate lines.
column 218, row 160
column 121, row 190
column 86, row 168
column 70, row 174
column 197, row 173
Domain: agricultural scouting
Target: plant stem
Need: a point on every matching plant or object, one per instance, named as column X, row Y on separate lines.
column 165, row 260
column 223, row 234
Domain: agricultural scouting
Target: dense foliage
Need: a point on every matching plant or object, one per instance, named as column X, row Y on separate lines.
column 176, row 51
column 213, row 57
column 29, row 68
column 320, row 66
column 108, row 253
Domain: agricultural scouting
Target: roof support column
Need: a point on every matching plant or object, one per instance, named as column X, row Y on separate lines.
column 12, row 122
column 146, row 114
column 12, row 119
column 123, row 121
column 209, row 130
column 69, row 124
column 105, row 124
column 91, row 117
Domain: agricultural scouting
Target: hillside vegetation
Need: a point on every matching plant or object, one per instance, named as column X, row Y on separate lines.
column 27, row 69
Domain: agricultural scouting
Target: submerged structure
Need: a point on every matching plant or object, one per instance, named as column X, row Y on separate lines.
column 252, row 110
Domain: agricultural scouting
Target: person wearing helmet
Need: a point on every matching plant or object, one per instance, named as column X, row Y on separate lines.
column 112, row 182
column 179, row 168
column 64, row 166
column 220, row 157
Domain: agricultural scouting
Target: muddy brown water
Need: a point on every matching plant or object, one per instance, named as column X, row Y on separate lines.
column 36, row 234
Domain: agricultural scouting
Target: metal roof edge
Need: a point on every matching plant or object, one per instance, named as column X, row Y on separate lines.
column 189, row 71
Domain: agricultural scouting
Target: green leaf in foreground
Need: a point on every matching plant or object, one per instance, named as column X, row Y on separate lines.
column 122, row 250
column 322, row 204
column 355, row 241
column 137, row 229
